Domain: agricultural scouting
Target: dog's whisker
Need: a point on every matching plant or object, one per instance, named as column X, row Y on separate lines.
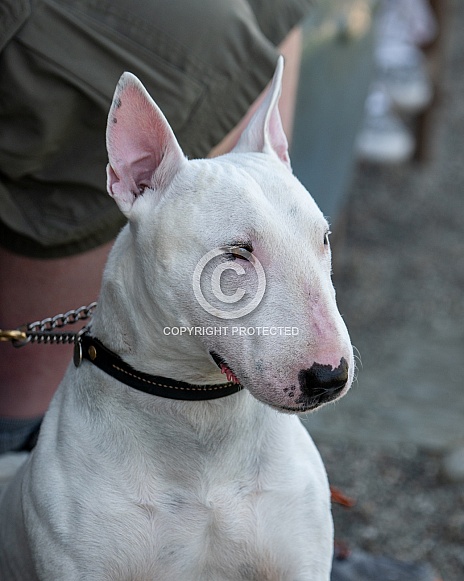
column 357, row 356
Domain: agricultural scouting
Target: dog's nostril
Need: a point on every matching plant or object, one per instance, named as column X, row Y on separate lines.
column 323, row 379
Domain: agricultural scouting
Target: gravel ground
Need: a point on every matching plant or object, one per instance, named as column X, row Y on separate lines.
column 399, row 271
column 404, row 508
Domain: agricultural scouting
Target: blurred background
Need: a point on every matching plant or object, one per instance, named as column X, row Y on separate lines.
column 379, row 142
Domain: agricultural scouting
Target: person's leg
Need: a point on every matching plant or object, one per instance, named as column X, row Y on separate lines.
column 30, row 290
column 291, row 50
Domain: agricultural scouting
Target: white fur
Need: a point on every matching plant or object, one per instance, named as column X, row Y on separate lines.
column 127, row 486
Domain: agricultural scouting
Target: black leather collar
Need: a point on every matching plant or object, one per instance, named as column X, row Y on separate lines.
column 91, row 349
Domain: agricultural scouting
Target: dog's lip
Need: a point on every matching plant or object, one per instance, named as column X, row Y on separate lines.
column 304, row 408
column 224, row 367
column 295, row 409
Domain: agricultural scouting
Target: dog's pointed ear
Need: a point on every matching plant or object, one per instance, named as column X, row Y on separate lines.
column 264, row 132
column 143, row 151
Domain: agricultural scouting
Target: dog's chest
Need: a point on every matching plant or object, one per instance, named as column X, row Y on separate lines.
column 219, row 534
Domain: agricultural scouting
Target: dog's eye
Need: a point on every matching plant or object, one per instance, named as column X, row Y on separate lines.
column 326, row 238
column 239, row 250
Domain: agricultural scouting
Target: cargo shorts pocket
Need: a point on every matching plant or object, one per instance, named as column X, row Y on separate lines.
column 94, row 42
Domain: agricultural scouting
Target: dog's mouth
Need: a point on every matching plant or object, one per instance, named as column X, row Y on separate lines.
column 301, row 405
column 221, row 363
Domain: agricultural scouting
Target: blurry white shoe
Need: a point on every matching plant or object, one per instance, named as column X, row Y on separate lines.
column 401, row 69
column 383, row 137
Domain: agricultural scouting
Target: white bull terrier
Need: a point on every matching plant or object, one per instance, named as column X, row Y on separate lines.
column 149, row 466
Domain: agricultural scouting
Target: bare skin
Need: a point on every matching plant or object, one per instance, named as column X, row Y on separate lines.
column 32, row 289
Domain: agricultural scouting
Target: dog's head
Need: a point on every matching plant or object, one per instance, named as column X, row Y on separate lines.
column 233, row 259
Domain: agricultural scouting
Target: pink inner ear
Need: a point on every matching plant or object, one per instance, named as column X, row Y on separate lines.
column 264, row 132
column 142, row 149
column 276, row 136
column 139, row 133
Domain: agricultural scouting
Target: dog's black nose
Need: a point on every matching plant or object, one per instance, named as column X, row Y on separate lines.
column 323, row 381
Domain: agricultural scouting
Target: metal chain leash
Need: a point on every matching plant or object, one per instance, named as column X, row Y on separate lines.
column 42, row 331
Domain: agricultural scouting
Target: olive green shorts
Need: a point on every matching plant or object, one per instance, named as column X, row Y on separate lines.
column 203, row 61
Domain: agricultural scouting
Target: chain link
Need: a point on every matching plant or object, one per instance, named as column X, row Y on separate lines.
column 62, row 320
column 41, row 331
